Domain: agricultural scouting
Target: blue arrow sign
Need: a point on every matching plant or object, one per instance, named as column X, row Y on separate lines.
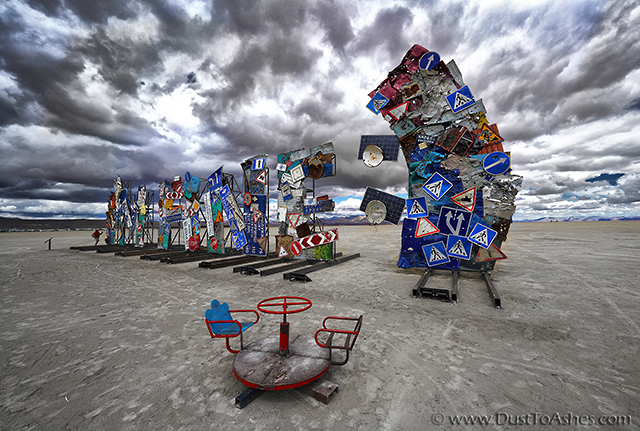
column 435, row 253
column 458, row 246
column 482, row 235
column 429, row 60
column 496, row 163
column 454, row 221
column 417, row 207
column 377, row 102
column 460, row 99
column 436, row 186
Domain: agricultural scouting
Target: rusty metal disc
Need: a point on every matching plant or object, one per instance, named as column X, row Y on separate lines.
column 260, row 365
column 376, row 212
column 372, row 156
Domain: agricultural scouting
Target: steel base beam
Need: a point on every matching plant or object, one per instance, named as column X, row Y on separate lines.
column 492, row 289
column 247, row 396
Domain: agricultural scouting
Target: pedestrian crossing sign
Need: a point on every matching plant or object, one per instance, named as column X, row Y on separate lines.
column 437, row 186
column 417, row 207
column 482, row 235
column 376, row 103
column 458, row 246
column 435, row 253
column 460, row 99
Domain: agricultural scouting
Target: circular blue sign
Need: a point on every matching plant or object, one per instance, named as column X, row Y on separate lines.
column 496, row 163
column 429, row 60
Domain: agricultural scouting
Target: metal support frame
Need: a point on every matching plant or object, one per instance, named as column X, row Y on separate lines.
column 422, row 291
column 150, row 219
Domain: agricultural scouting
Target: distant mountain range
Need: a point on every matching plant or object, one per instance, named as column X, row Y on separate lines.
column 16, row 224
column 593, row 218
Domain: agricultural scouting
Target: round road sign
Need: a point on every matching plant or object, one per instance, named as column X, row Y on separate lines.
column 296, row 248
column 496, row 163
column 246, row 198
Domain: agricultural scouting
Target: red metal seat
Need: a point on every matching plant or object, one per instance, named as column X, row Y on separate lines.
column 350, row 339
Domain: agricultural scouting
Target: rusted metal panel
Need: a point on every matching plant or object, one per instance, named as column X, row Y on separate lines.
column 321, row 390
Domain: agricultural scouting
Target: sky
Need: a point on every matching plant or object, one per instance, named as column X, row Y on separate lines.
column 151, row 89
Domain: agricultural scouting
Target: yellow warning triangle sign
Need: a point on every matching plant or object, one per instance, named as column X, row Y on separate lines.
column 425, row 227
column 488, row 135
column 262, row 242
column 466, row 199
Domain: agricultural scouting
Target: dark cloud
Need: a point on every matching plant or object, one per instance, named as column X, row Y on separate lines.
column 334, row 18
column 92, row 11
column 120, row 62
column 386, row 31
column 628, row 191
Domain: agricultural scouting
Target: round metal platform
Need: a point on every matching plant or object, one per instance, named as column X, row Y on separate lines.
column 260, row 365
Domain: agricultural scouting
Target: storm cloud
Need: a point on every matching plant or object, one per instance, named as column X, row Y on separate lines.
column 149, row 89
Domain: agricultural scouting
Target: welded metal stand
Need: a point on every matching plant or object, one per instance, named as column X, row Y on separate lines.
column 422, row 291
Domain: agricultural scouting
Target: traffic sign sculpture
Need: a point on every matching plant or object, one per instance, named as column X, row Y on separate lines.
column 456, row 162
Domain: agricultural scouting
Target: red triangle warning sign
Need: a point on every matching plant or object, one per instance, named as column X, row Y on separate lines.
column 466, row 199
column 425, row 227
column 492, row 253
column 256, row 215
column 282, row 252
column 294, row 219
column 262, row 177
column 399, row 110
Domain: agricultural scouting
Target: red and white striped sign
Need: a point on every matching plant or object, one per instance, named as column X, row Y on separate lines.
column 314, row 240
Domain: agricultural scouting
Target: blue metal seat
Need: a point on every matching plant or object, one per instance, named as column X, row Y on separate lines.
column 221, row 324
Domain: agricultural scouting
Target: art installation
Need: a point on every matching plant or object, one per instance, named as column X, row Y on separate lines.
column 255, row 196
column 461, row 191
column 299, row 234
column 128, row 212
